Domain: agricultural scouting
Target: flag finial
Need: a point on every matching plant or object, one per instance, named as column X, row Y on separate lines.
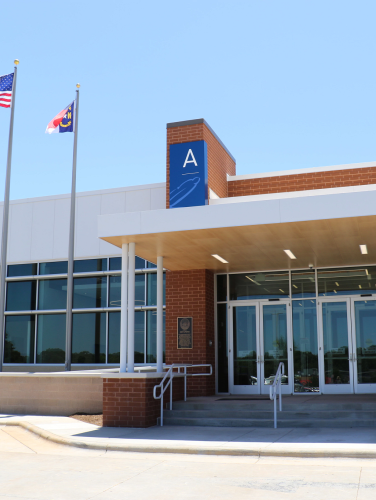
column 16, row 62
column 78, row 85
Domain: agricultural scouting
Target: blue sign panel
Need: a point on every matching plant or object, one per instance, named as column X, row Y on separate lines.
column 188, row 174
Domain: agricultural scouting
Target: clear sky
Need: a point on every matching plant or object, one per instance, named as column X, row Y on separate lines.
column 285, row 84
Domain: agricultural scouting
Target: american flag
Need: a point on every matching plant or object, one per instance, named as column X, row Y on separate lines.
column 6, row 86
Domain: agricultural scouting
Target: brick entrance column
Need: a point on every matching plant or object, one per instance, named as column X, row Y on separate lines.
column 191, row 293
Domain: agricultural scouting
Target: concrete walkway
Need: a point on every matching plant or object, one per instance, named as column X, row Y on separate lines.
column 303, row 442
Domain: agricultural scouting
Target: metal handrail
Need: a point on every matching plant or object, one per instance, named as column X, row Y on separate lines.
column 276, row 387
column 170, row 375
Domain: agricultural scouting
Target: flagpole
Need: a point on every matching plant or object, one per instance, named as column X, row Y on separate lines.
column 68, row 331
column 4, row 240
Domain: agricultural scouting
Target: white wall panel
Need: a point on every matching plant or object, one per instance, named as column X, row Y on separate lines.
column 112, row 203
column 61, row 229
column 86, row 240
column 21, row 217
column 42, row 231
column 137, row 201
column 158, row 198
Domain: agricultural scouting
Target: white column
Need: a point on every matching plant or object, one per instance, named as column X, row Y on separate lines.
column 159, row 314
column 124, row 308
column 131, row 300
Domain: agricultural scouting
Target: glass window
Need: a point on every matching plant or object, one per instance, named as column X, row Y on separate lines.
column 336, row 343
column 19, row 339
column 221, row 287
column 114, row 337
column 274, row 317
column 89, row 292
column 222, row 348
column 115, row 291
column 150, row 265
column 259, row 285
column 52, row 294
column 140, row 290
column 60, row 267
column 140, row 263
column 51, row 338
column 152, row 289
column 245, row 346
column 303, row 284
column 22, row 270
column 347, row 281
column 89, row 338
column 115, row 264
column 139, row 337
column 90, row 265
column 151, row 337
column 306, row 365
column 365, row 321
column 21, row 295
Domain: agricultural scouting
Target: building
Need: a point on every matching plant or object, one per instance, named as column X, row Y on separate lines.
column 258, row 269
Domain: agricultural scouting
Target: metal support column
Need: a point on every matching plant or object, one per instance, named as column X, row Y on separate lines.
column 131, row 303
column 160, row 314
column 124, row 308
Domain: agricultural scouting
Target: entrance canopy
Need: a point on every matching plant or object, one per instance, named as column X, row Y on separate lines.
column 323, row 228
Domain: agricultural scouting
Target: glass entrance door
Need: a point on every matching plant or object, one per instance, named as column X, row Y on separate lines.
column 260, row 339
column 335, row 347
column 363, row 357
column 244, row 351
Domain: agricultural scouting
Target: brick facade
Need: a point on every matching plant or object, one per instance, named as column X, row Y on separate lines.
column 191, row 294
column 129, row 402
column 302, row 182
column 220, row 163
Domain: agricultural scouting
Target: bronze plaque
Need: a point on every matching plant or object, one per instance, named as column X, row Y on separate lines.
column 185, row 333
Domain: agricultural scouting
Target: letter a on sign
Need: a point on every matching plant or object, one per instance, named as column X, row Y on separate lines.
column 190, row 161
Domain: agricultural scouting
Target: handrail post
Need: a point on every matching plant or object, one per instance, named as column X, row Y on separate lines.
column 185, row 383
column 275, row 410
column 161, row 407
column 280, row 393
column 171, row 377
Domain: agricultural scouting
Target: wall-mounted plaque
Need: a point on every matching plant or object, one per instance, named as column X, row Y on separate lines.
column 185, row 333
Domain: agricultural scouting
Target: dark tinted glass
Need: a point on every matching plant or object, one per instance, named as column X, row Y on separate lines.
column 115, row 291
column 21, row 295
column 89, row 338
column 151, row 336
column 151, row 265
column 89, row 292
column 306, row 364
column 303, row 284
column 222, row 348
column 51, row 338
column 140, row 290
column 114, row 337
column 139, row 337
column 152, row 289
column 22, row 270
column 90, row 265
column 115, row 264
column 351, row 280
column 221, row 287
column 52, row 294
column 259, row 285
column 53, row 267
column 140, row 263
column 19, row 339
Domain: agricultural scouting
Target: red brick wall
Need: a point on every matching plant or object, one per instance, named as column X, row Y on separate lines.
column 191, row 293
column 220, row 162
column 302, row 182
column 129, row 402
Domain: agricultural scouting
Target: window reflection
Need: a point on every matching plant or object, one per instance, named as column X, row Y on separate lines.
column 259, row 285
column 19, row 339
column 89, row 338
column 89, row 292
column 51, row 338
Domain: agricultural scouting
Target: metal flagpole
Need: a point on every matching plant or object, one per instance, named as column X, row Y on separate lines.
column 4, row 241
column 68, row 331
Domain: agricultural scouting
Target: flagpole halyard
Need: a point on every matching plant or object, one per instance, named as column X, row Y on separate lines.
column 4, row 240
column 69, row 316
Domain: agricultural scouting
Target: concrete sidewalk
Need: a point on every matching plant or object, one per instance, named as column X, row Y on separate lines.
column 303, row 442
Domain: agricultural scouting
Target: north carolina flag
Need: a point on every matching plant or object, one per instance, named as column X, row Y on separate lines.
column 63, row 122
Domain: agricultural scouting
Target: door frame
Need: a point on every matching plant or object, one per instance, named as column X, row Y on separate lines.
column 334, row 388
column 260, row 388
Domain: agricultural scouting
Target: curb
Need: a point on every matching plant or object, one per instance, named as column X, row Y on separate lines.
column 188, row 450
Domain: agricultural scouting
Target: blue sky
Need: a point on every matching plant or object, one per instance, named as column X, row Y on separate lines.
column 285, row 85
